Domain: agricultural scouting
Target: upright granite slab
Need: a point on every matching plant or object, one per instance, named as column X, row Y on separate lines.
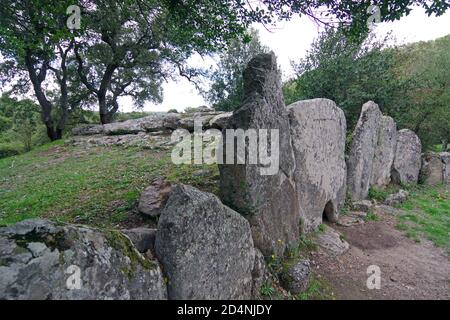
column 384, row 152
column 433, row 169
column 407, row 163
column 362, row 152
column 318, row 130
column 206, row 248
column 269, row 202
column 445, row 158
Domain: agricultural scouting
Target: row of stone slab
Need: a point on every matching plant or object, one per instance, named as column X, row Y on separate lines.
column 436, row 169
column 312, row 169
column 205, row 249
column 314, row 175
column 157, row 123
column 380, row 154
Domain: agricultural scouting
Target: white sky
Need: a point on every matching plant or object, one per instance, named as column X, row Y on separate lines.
column 290, row 41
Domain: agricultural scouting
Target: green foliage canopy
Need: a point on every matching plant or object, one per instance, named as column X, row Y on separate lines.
column 226, row 92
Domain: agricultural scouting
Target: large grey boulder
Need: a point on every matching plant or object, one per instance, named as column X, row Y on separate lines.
column 42, row 260
column 362, row 206
column 122, row 128
column 171, row 121
column 445, row 158
column 318, row 130
column 141, row 140
column 433, row 168
column 268, row 201
column 297, row 276
column 384, row 152
column 397, row 198
column 407, row 163
column 332, row 242
column 362, row 151
column 151, row 123
column 190, row 120
column 88, row 130
column 206, row 248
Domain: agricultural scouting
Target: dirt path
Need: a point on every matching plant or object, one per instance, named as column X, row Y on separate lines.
column 409, row 270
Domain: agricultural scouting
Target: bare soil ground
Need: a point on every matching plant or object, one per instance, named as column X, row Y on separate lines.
column 409, row 270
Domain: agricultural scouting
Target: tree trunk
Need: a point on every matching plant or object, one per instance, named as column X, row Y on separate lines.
column 52, row 133
column 37, row 79
column 105, row 116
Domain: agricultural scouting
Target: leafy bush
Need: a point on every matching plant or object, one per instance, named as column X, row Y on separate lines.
column 9, row 150
column 172, row 111
column 5, row 123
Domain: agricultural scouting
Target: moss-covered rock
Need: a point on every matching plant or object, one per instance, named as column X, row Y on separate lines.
column 42, row 260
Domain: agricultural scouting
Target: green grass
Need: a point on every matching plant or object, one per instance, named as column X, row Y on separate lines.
column 435, row 148
column 97, row 186
column 318, row 289
column 267, row 290
column 427, row 215
column 381, row 194
column 372, row 216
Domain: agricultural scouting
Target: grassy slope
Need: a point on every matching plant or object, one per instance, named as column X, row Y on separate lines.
column 101, row 186
column 427, row 214
column 97, row 186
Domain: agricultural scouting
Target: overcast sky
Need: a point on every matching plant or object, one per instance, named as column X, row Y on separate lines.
column 290, row 41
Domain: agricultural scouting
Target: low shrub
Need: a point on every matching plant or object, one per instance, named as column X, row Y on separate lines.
column 9, row 150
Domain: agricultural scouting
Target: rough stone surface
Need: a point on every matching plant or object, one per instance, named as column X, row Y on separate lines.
column 158, row 122
column 268, row 201
column 384, row 152
column 296, row 277
column 142, row 238
column 332, row 242
column 352, row 219
column 206, row 248
column 153, row 123
column 432, row 172
column 125, row 127
column 260, row 275
column 407, row 163
column 220, row 121
column 36, row 257
column 188, row 122
column 363, row 205
column 362, row 151
column 88, row 130
column 154, row 197
column 318, row 130
column 445, row 158
column 142, row 140
column 397, row 198
column 171, row 121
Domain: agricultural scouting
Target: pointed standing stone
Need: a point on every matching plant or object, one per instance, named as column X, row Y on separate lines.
column 362, row 152
column 269, row 202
